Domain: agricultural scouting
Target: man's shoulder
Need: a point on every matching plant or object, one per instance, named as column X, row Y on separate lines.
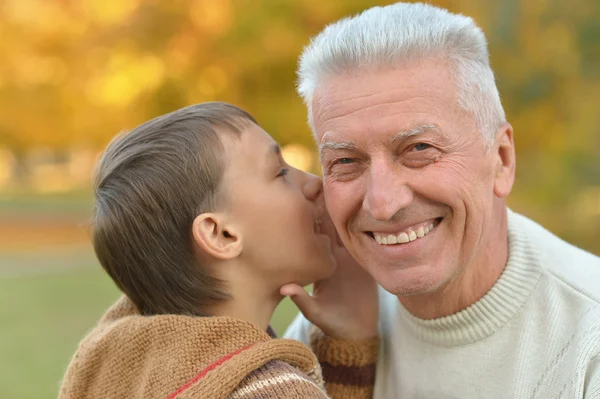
column 568, row 266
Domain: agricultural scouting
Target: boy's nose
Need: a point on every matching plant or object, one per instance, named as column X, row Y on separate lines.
column 313, row 187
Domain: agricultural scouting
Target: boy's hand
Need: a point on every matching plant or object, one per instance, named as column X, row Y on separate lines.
column 346, row 304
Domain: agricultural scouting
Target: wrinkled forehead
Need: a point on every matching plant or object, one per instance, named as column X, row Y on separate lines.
column 396, row 101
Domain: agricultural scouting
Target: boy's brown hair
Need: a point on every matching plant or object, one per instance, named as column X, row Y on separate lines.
column 149, row 186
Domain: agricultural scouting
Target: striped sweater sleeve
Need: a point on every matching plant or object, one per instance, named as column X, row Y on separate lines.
column 278, row 379
column 348, row 366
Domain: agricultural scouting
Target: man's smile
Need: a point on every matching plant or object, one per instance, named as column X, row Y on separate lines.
column 404, row 235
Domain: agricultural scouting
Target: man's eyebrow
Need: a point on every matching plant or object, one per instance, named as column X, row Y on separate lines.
column 337, row 145
column 401, row 135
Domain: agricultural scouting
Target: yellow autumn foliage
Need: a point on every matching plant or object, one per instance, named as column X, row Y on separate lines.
column 74, row 73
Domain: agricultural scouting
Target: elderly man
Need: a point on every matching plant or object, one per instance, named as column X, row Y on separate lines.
column 476, row 301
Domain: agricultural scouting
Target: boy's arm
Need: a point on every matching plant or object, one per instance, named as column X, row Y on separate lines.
column 348, row 366
column 277, row 379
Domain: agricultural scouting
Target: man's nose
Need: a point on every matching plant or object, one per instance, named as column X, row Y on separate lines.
column 387, row 192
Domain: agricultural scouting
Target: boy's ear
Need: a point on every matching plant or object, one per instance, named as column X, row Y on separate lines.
column 505, row 161
column 216, row 237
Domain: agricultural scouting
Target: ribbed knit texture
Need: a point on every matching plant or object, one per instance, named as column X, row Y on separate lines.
column 132, row 356
column 535, row 334
column 348, row 366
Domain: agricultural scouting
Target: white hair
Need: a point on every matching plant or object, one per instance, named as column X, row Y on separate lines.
column 397, row 35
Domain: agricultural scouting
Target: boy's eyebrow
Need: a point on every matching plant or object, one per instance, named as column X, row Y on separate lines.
column 275, row 149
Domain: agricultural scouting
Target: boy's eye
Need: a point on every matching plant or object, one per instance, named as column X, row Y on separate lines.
column 421, row 146
column 283, row 172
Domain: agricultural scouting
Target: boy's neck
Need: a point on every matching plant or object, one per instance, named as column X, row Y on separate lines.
column 255, row 306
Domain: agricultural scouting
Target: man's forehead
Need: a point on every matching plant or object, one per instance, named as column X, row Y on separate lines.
column 423, row 87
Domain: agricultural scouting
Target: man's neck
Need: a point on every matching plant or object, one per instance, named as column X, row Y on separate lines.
column 478, row 277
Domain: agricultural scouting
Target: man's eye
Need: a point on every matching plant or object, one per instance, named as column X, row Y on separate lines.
column 344, row 161
column 283, row 172
column 421, row 146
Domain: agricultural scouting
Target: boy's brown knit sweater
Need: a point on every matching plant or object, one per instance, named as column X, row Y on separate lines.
column 132, row 356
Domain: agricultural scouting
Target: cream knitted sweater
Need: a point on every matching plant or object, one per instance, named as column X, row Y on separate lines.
column 535, row 334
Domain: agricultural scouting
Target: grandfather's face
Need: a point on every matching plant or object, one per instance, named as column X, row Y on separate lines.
column 407, row 179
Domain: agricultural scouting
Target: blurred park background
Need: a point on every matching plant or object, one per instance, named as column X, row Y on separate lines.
column 75, row 72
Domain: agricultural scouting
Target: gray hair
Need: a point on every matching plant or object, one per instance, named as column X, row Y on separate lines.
column 400, row 34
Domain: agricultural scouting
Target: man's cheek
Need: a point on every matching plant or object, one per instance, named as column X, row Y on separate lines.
column 335, row 207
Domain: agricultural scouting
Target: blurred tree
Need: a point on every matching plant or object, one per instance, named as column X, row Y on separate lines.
column 75, row 72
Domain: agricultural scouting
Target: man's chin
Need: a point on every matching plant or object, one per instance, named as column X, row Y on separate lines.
column 413, row 281
column 404, row 290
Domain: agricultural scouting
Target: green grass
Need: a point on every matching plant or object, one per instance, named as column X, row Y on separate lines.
column 43, row 317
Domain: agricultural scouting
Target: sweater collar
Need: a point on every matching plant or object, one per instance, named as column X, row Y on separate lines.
column 499, row 305
column 128, row 355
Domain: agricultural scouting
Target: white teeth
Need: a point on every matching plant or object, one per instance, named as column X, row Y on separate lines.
column 403, row 238
column 412, row 235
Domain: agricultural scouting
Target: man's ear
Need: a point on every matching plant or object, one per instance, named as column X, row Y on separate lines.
column 506, row 162
column 216, row 237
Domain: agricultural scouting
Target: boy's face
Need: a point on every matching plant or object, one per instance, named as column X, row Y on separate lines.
column 279, row 211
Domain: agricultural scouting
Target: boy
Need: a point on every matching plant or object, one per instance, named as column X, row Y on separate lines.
column 202, row 225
